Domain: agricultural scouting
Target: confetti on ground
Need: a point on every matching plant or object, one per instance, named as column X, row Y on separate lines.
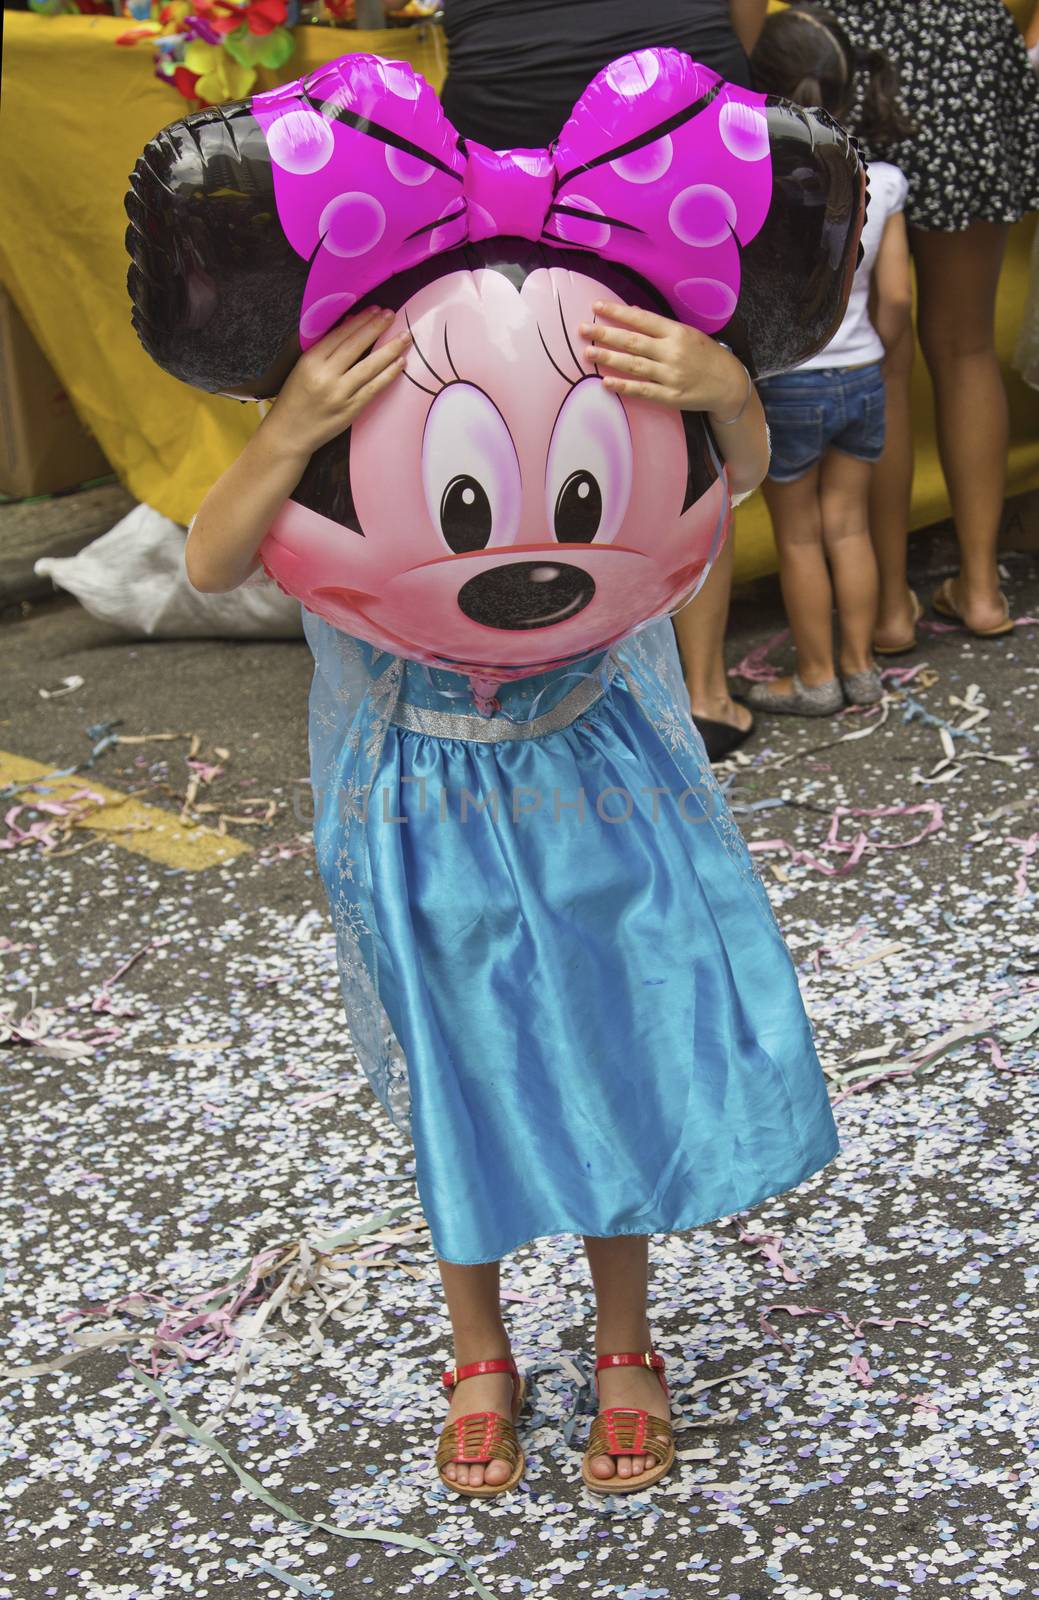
column 211, row 1247
column 50, row 806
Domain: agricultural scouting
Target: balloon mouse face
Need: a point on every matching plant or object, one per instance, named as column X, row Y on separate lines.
column 531, row 515
column 497, row 508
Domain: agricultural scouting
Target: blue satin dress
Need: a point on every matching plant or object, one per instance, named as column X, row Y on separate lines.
column 561, row 972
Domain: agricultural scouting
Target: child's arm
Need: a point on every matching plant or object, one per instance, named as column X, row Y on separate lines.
column 654, row 358
column 891, row 289
column 326, row 390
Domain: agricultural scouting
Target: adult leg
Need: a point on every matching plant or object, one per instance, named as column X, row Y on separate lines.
column 700, row 629
column 804, row 577
column 957, row 275
column 620, row 1275
column 844, row 503
column 474, row 1306
column 891, row 490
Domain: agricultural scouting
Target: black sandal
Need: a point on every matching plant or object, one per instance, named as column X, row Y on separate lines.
column 722, row 738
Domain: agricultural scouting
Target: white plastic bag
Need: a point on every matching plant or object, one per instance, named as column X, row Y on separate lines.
column 134, row 577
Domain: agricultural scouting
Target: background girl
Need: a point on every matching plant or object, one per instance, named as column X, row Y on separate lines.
column 827, row 417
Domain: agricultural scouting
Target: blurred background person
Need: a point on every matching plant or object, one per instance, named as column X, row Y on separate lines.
column 972, row 166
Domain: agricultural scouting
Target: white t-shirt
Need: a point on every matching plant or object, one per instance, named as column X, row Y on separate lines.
column 857, row 340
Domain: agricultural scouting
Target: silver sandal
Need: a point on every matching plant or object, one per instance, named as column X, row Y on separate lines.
column 819, row 700
column 863, row 688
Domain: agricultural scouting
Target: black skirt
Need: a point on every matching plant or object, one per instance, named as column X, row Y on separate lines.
column 516, row 67
column 969, row 87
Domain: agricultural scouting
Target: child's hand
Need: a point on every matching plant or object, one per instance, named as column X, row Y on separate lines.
column 654, row 358
column 333, row 381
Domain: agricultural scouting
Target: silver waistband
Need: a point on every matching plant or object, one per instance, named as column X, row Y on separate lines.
column 497, row 729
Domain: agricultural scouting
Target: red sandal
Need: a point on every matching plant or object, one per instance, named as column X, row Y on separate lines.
column 627, row 1431
column 482, row 1436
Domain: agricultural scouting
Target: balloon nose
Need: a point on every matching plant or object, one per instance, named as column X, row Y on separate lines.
column 526, row 594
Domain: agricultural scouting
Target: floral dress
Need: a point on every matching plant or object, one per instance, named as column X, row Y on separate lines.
column 967, row 83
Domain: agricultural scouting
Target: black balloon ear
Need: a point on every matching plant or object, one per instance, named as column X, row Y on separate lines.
column 215, row 285
column 796, row 274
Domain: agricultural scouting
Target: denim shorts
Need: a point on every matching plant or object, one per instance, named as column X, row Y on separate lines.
column 809, row 413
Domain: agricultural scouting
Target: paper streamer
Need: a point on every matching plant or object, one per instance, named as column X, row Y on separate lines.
column 769, row 1245
column 255, row 1488
column 755, row 666
column 1028, row 849
column 213, row 1322
column 861, row 844
column 981, row 1029
column 855, row 1328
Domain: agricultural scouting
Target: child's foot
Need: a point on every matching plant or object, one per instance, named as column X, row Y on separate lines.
column 861, row 682
column 723, row 709
column 792, row 697
column 640, row 1388
column 491, row 1391
column 723, row 724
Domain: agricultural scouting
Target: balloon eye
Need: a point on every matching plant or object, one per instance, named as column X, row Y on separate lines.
column 578, row 511
column 470, row 471
column 589, row 468
column 465, row 515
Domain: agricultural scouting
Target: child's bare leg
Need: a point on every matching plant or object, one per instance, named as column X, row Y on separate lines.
column 620, row 1274
column 700, row 630
column 890, row 495
column 844, row 499
column 804, row 577
column 474, row 1306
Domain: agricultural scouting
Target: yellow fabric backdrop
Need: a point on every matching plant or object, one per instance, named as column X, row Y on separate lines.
column 76, row 111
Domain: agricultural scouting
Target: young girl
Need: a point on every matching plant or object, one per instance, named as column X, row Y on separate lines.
column 561, row 972
column 827, row 416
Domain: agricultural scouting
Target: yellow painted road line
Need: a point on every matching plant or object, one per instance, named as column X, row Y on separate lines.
column 144, row 829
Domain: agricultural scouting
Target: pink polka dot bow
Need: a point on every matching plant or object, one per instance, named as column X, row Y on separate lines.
column 663, row 168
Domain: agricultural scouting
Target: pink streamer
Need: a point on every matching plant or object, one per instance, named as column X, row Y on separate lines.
column 206, row 770
column 42, row 831
column 857, row 847
column 755, row 666
column 198, row 1327
column 999, row 1061
column 1028, row 849
column 901, row 675
column 858, row 1367
column 842, row 1317
column 769, row 1245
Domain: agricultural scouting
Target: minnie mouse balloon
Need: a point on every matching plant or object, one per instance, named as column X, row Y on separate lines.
column 496, row 510
column 500, row 510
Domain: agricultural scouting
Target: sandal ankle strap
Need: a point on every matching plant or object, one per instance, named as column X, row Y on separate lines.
column 477, row 1369
column 633, row 1358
